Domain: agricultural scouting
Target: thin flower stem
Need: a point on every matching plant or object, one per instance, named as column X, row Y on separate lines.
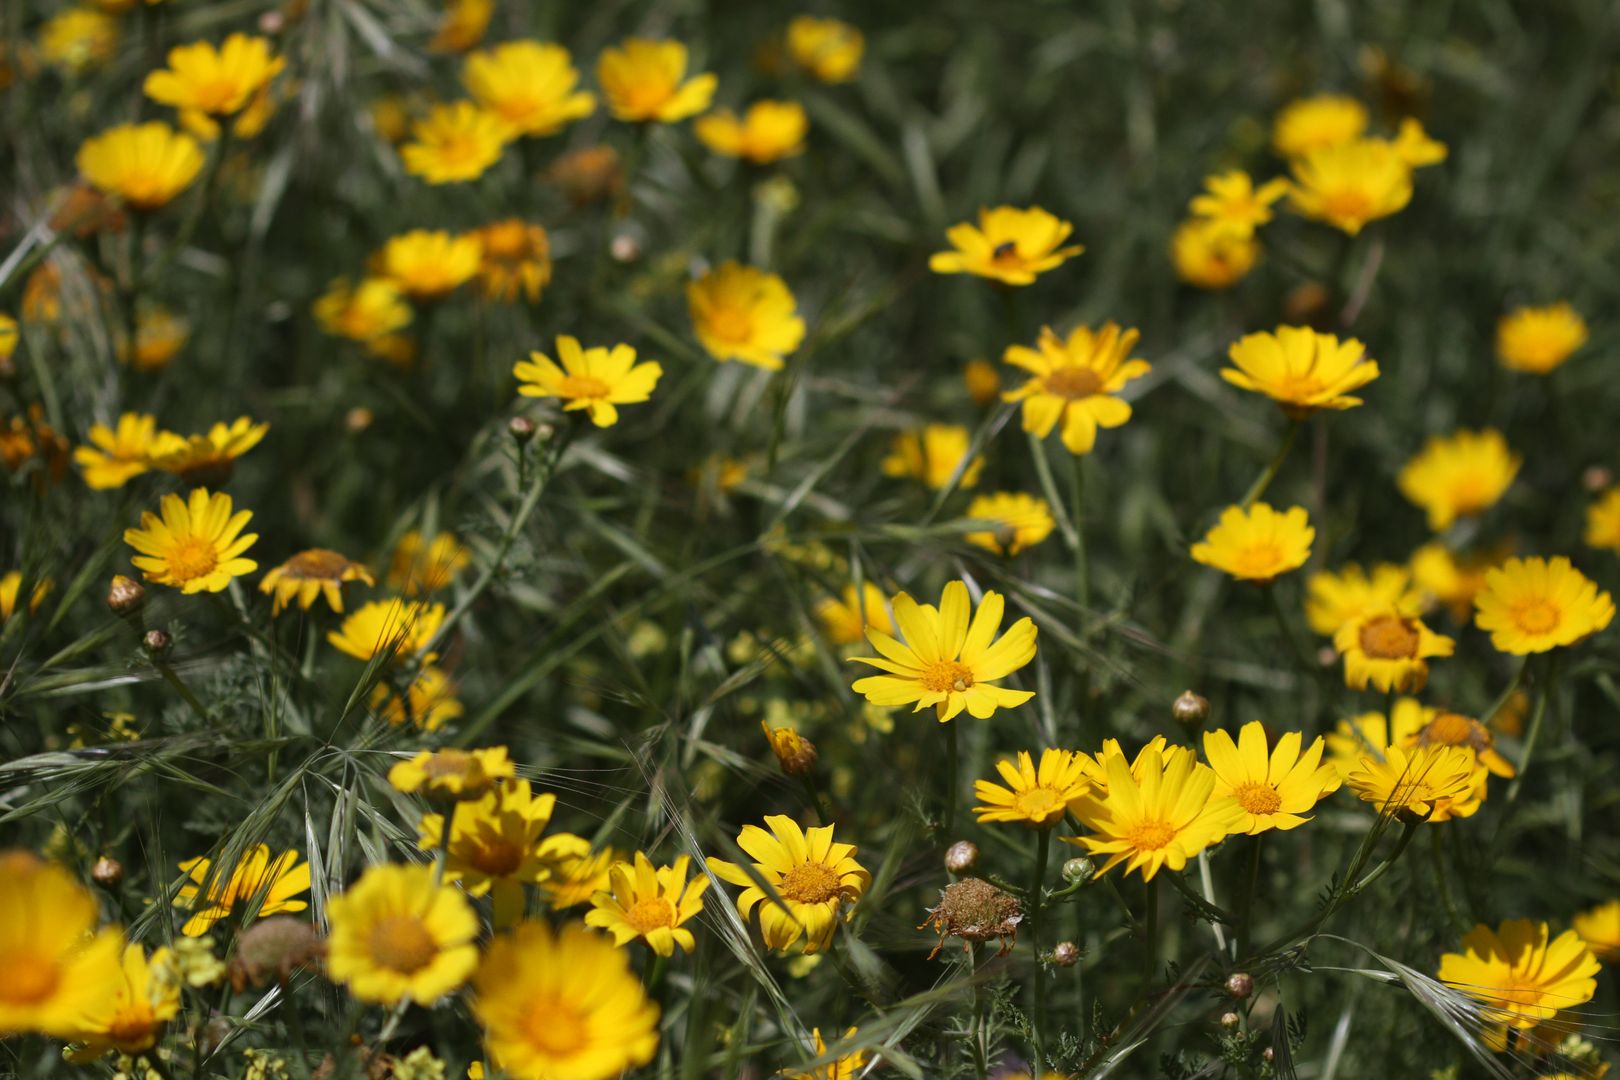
column 172, row 677
column 1302, row 656
column 978, row 1038
column 1506, row 695
column 1245, row 933
column 1043, row 842
column 1150, row 930
column 1263, row 481
column 1043, row 471
column 1441, row 885
column 1547, row 680
column 951, row 765
column 295, row 1028
column 1382, row 868
column 1082, row 578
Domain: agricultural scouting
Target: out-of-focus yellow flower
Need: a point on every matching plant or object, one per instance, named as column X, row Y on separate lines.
column 78, row 38
column 145, row 998
column 398, row 934
column 932, row 456
column 1207, row 256
column 249, row 122
column 452, row 774
column 428, row 703
column 1335, row 598
column 1538, row 339
column 1312, row 123
column 1275, row 787
column 516, row 260
column 1389, row 647
column 1536, row 605
column 1600, row 929
column 394, row 628
column 146, row 165
column 577, row 878
column 159, row 335
column 59, row 968
column 462, row 26
column 1036, row 796
column 1232, row 204
column 843, row 620
column 455, row 143
column 844, row 1067
column 829, row 49
column 1458, row 475
column 429, row 264
column 794, row 753
column 1521, row 975
column 1075, row 381
column 1445, row 578
column 588, row 174
column 1350, row 184
column 769, row 131
column 211, row 896
column 11, row 586
column 595, row 380
column 419, row 565
column 1257, row 544
column 1301, row 369
column 531, row 85
column 982, row 380
column 1009, row 245
column 210, row 458
column 1441, row 728
column 364, row 312
column 8, row 337
column 744, row 313
column 650, row 903
column 117, row 455
column 815, row 882
column 196, row 545
column 309, row 574
column 29, row 437
column 42, row 294
column 1414, row 146
column 390, row 118
column 1603, row 521
column 216, row 82
column 1022, row 521
column 1414, row 782
column 646, row 80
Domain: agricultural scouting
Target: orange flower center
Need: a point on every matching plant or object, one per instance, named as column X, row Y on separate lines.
column 1258, row 797
column 731, row 324
column 584, row 387
column 1074, row 382
column 947, row 676
column 1150, row 835
column 191, row 558
column 30, row 978
column 401, row 943
column 1536, row 616
column 132, row 1027
column 555, row 1028
column 650, row 913
column 1452, row 729
column 461, row 151
column 1039, row 804
column 1350, row 205
column 316, row 564
column 215, row 96
column 494, row 856
column 1260, row 559
column 1389, row 637
column 809, row 883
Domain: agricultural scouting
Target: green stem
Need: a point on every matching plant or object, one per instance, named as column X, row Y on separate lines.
column 1082, row 578
column 1263, row 481
column 1544, row 692
column 978, row 1038
column 1043, row 842
column 171, row 677
column 1506, row 695
column 951, row 764
column 1150, row 930
column 1441, row 885
column 295, row 1028
column 1250, row 892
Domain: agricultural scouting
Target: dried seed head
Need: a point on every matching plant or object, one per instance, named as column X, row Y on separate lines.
column 272, row 949
column 1240, row 984
column 961, row 857
column 108, row 873
column 1065, row 954
column 975, row 911
column 1190, row 710
column 125, row 595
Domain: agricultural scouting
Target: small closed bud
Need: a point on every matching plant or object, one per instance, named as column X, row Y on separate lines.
column 1190, row 710
column 961, row 857
column 357, row 419
column 1268, row 1055
column 1327, row 656
column 545, row 432
column 1065, row 954
column 795, row 753
column 522, row 428
column 625, row 248
column 1597, row 477
column 1230, row 1020
column 1240, row 984
column 1078, row 869
column 157, row 642
column 108, row 873
column 272, row 22
column 125, row 595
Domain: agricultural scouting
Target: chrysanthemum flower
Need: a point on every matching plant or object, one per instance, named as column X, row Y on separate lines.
column 1413, row 727
column 1519, row 976
column 946, row 661
column 398, row 934
column 1333, row 598
column 595, row 380
column 1539, row 339
column 451, row 774
column 455, row 143
column 59, row 969
column 649, row 903
column 313, row 573
column 829, row 49
column 1389, row 647
column 419, row 566
column 11, row 586
column 744, row 313
column 1274, row 788
column 933, row 455
column 256, row 878
column 1441, row 728
column 428, row 702
column 769, row 131
column 1161, row 818
column 1257, row 544
column 818, row 879
column 531, row 85
column 117, row 455
column 143, row 1000
column 1415, row 147
column 209, row 458
column 562, row 1005
column 517, row 260
column 1206, row 256
column 77, row 38
column 394, row 627
column 430, row 264
column 364, row 312
column 1034, row 796
column 1599, row 927
column 1603, row 521
column 1350, row 184
column 1414, row 781
column 575, row 879
column 1447, row 578
column 216, row 82
column 1301, row 369
column 646, row 80
column 845, row 620
column 145, row 165
column 195, row 545
column 462, row 26
column 1535, row 605
column 844, row 1067
column 982, row 380
column 159, row 335
column 1311, row 123
column 1009, row 245
column 1458, row 475
column 1022, row 521
column 1074, row 381
column 1234, row 205
column 249, row 122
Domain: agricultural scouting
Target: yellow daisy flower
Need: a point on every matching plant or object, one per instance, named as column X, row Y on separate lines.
column 76, row 39
column 1312, row 123
column 145, row 165
column 1459, row 475
column 249, row 122
column 1535, row 605
column 455, row 143
column 462, row 26
column 143, row 1000
column 1413, row 727
column 215, row 82
column 59, row 968
column 210, row 458
column 1034, row 796
column 650, row 904
column 1600, row 929
column 1273, row 787
column 817, row 879
column 1603, row 521
column 1232, row 203
column 932, row 455
column 1009, row 245
column 947, row 661
column 844, row 1067
column 1446, row 578
column 982, row 380
column 1334, row 598
column 11, row 586
column 396, row 628
column 575, row 879
column 1389, row 648
column 595, row 1020
column 1022, row 521
column 117, row 455
column 744, row 313
column 212, row 895
column 1521, row 975
column 646, row 80
column 595, row 379
column 1257, row 544
column 313, row 573
column 429, row 265
column 398, row 934
column 1075, row 381
column 531, row 85
column 159, row 335
column 1415, row 147
column 1301, row 369
column 1350, row 184
column 195, row 545
column 1415, row 781
column 451, row 774
column 1207, row 256
column 1539, row 339
column 364, row 312
column 829, row 49
column 419, row 566
column 429, row 702
column 1441, row 728
column 844, row 621
column 517, row 259
column 769, row 131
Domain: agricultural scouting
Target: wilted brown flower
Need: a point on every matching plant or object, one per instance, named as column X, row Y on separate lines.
column 975, row 911
column 272, row 949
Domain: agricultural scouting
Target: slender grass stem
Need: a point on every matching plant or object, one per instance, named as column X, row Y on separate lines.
column 948, row 819
column 1548, row 680
column 1043, row 842
column 1245, row 933
column 1150, row 930
column 979, row 1036
column 1263, row 481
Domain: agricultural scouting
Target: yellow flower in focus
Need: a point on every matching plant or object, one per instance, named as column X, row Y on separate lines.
column 1301, row 369
column 744, row 313
column 1521, row 975
column 562, row 1005
column 60, row 970
column 769, row 131
column 1539, row 339
column 844, row 1067
column 193, row 544
column 845, row 622
column 1074, row 381
column 649, row 903
column 1603, row 521
column 455, row 143
column 1458, row 475
column 144, row 999
column 1274, row 788
column 365, row 312
column 462, row 26
column 1009, row 245
column 452, row 774
column 1350, row 184
column 310, row 574
column 577, row 878
column 1414, row 782
column 595, row 380
column 531, row 85
column 947, row 661
column 78, row 38
column 429, row 265
column 517, row 259
column 394, row 628
column 1207, row 256
column 1333, row 599
column 829, row 49
column 428, row 703
column 398, row 934
column 933, row 456
column 1600, row 929
column 11, row 586
column 1034, row 796
column 419, row 566
column 1312, row 123
column 1257, row 544
column 159, row 335
column 1390, row 648
column 216, row 82
column 982, row 380
column 817, row 878
column 646, row 80
column 117, row 455
column 145, row 165
column 1233, row 205
column 1414, row 146
column 1022, row 521
column 209, row 458
column 1535, row 605
column 256, row 879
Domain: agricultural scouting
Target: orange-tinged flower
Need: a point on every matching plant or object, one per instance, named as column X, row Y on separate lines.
column 309, row 574
column 767, row 132
column 462, row 26
column 517, row 260
column 646, row 80
column 373, row 309
column 1206, row 256
column 529, row 84
column 1389, row 647
column 60, row 970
